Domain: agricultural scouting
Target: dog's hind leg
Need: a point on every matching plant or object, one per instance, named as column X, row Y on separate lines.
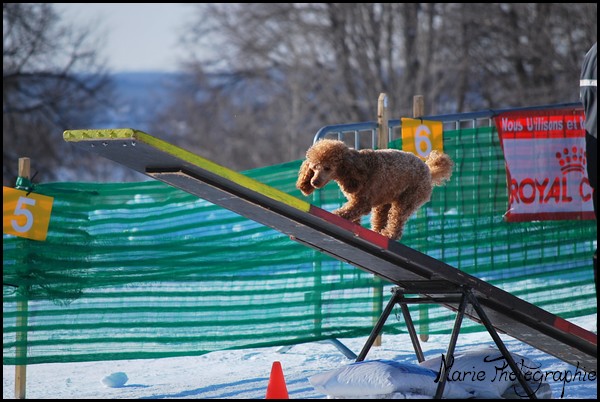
column 379, row 217
column 397, row 217
column 403, row 208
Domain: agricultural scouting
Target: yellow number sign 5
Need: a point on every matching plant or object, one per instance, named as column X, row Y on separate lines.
column 26, row 215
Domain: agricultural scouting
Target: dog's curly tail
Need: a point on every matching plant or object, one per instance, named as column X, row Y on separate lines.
column 440, row 166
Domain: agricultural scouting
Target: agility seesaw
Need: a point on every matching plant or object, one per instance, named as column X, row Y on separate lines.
column 411, row 271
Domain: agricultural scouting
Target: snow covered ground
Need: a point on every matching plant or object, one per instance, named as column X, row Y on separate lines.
column 244, row 374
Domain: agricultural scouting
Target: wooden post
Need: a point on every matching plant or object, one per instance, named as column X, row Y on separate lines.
column 419, row 111
column 418, row 106
column 382, row 122
column 24, row 168
column 22, row 311
column 383, row 138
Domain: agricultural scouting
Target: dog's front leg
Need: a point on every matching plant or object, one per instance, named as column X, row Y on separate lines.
column 353, row 210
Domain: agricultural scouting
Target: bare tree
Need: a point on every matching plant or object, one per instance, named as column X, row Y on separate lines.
column 290, row 69
column 53, row 80
column 281, row 71
column 514, row 54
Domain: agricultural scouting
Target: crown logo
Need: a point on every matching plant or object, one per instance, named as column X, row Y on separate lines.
column 573, row 160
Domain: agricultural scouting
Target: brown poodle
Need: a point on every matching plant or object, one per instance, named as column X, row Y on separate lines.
column 389, row 183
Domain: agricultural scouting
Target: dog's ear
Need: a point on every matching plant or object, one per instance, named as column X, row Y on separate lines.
column 354, row 172
column 304, row 177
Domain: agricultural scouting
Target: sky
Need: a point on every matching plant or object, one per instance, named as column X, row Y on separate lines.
column 246, row 373
column 139, row 37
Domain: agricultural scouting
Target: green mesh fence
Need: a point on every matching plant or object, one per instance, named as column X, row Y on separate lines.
column 144, row 270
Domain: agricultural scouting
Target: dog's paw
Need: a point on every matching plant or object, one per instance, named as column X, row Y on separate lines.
column 342, row 213
column 348, row 216
column 392, row 235
column 306, row 191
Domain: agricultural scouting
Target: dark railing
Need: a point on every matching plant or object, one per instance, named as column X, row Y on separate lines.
column 454, row 121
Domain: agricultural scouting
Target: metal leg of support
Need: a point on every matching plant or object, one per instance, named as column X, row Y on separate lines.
column 378, row 327
column 334, row 341
column 451, row 346
column 492, row 331
column 341, row 347
column 411, row 331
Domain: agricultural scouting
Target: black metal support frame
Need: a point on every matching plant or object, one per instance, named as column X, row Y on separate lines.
column 463, row 296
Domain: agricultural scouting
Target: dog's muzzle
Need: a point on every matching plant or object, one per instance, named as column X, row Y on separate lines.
column 316, row 183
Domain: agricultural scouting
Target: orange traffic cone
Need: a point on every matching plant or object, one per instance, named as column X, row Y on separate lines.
column 277, row 388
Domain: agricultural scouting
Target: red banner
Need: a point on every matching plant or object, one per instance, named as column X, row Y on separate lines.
column 546, row 165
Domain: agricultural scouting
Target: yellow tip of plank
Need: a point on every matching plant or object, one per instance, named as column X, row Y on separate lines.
column 116, row 133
